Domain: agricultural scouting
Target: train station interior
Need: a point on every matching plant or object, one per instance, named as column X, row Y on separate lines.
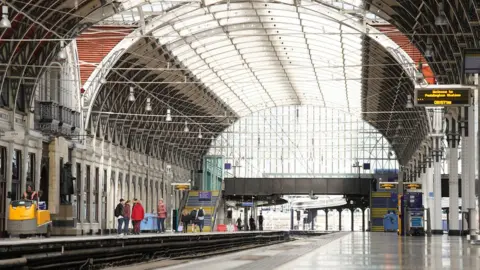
column 239, row 134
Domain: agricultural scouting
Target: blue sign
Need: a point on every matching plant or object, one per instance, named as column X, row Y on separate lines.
column 204, row 196
column 247, row 204
column 430, row 194
column 228, row 166
column 366, row 166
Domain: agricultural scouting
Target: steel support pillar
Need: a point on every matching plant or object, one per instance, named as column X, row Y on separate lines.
column 470, row 184
column 363, row 219
column 340, row 220
column 437, row 224
column 429, row 193
column 465, row 163
column 352, row 221
column 452, row 139
column 326, row 219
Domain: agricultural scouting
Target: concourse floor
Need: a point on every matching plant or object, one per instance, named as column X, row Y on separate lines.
column 355, row 250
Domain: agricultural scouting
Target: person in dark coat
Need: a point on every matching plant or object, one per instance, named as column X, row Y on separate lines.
column 260, row 222
column 185, row 219
column 119, row 215
column 252, row 223
column 201, row 218
column 239, row 224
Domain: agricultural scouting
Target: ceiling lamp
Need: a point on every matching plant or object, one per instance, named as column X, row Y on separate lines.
column 441, row 19
column 131, row 96
column 200, row 134
column 62, row 55
column 169, row 116
column 5, row 22
column 429, row 50
column 186, row 127
column 148, row 106
column 103, row 80
column 409, row 102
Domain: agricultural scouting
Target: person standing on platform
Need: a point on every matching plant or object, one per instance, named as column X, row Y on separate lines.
column 138, row 213
column 119, row 215
column 260, row 222
column 162, row 215
column 252, row 223
column 185, row 219
column 193, row 218
column 127, row 213
column 239, row 224
column 201, row 218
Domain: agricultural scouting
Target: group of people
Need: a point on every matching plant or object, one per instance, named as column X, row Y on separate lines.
column 251, row 223
column 124, row 213
column 195, row 218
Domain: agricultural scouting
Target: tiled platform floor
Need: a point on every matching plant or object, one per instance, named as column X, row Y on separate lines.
column 351, row 251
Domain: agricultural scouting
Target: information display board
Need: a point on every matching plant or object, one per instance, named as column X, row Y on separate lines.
column 412, row 186
column 181, row 186
column 433, row 97
column 388, row 185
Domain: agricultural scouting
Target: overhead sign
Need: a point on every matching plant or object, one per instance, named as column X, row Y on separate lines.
column 412, row 186
column 388, row 185
column 431, row 97
column 181, row 186
column 471, row 61
column 204, row 196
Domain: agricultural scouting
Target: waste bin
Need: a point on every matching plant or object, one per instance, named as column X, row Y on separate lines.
column 149, row 223
column 390, row 222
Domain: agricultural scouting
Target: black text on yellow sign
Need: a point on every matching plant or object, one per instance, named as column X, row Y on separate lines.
column 387, row 185
column 413, row 186
column 443, row 97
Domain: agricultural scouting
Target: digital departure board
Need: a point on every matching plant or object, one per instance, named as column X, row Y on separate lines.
column 412, row 186
column 388, row 185
column 432, row 97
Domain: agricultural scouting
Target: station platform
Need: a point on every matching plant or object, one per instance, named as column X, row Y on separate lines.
column 72, row 252
column 342, row 251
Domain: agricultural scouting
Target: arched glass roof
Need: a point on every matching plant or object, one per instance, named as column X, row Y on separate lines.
column 255, row 55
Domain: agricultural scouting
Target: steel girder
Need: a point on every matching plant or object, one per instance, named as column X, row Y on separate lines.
column 385, row 88
column 33, row 41
column 416, row 19
column 146, row 61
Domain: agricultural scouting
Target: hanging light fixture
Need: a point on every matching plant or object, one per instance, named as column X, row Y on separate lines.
column 409, row 102
column 169, row 116
column 441, row 19
column 131, row 96
column 429, row 50
column 62, row 55
column 103, row 80
column 148, row 106
column 185, row 129
column 200, row 134
column 5, row 22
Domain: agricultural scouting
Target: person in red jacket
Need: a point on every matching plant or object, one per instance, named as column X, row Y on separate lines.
column 138, row 213
column 162, row 215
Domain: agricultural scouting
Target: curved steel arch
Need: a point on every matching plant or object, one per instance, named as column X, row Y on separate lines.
column 93, row 83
